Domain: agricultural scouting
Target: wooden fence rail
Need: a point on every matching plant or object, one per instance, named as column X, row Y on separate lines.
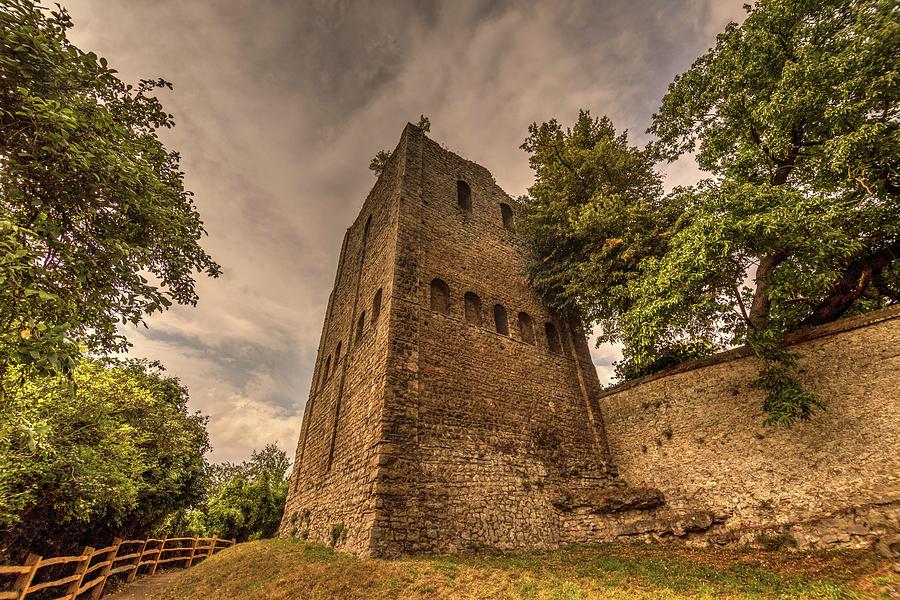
column 92, row 568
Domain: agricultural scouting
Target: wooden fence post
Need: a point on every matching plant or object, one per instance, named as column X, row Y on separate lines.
column 212, row 546
column 190, row 560
column 87, row 555
column 137, row 565
column 24, row 580
column 155, row 564
column 104, row 572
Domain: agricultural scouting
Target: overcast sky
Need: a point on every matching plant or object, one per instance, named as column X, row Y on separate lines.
column 279, row 106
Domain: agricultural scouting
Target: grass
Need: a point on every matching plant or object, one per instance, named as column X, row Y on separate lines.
column 288, row 569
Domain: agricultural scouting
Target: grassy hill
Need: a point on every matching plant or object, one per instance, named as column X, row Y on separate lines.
column 290, row 569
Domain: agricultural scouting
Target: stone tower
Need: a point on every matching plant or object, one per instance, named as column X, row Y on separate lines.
column 449, row 408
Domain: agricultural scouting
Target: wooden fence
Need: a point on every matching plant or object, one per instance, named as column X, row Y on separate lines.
column 90, row 570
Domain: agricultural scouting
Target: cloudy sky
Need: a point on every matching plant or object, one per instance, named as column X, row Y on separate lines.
column 281, row 104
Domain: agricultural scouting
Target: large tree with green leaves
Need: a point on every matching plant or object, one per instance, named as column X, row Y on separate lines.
column 243, row 501
column 96, row 227
column 111, row 451
column 794, row 114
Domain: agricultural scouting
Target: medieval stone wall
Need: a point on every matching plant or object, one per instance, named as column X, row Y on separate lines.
column 333, row 481
column 698, row 436
column 485, row 425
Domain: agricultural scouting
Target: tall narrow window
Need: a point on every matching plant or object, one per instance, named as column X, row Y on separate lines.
column 473, row 308
column 507, row 215
column 440, row 296
column 327, row 372
column 526, row 328
column 464, row 195
column 367, row 227
column 500, row 321
column 552, row 338
column 360, row 326
column 337, row 355
column 376, row 306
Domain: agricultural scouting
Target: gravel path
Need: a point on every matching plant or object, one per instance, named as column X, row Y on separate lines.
column 144, row 588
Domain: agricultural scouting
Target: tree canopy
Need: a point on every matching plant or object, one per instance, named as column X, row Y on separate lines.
column 114, row 456
column 96, row 227
column 794, row 116
column 244, row 501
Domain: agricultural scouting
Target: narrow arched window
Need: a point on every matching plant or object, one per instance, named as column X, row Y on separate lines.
column 464, row 195
column 337, row 355
column 376, row 306
column 440, row 296
column 552, row 338
column 360, row 326
column 366, row 229
column 327, row 373
column 507, row 215
column 473, row 308
column 500, row 320
column 526, row 328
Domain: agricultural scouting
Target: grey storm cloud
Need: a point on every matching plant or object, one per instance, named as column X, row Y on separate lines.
column 279, row 107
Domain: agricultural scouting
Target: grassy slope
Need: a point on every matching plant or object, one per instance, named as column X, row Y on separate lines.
column 292, row 569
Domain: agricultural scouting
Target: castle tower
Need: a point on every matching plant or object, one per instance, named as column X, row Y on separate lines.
column 449, row 408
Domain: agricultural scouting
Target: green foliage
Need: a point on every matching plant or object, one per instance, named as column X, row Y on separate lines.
column 114, row 456
column 96, row 228
column 382, row 157
column 379, row 162
column 246, row 501
column 795, row 115
column 787, row 400
column 338, row 533
column 595, row 214
column 667, row 356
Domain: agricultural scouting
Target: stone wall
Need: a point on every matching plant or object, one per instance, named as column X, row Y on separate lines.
column 697, row 435
column 333, row 482
column 482, row 426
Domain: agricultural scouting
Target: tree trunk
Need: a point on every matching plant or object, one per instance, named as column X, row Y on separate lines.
column 759, row 309
column 852, row 284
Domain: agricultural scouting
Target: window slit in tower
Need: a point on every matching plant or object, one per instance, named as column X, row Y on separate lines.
column 366, row 230
column 440, row 296
column 464, row 196
column 473, row 308
column 552, row 338
column 526, row 328
column 327, row 373
column 507, row 214
column 360, row 326
column 376, row 306
column 500, row 320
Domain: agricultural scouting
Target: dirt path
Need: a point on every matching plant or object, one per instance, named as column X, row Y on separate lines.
column 145, row 588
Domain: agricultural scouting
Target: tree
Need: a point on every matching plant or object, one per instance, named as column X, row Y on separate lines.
column 381, row 158
column 96, row 227
column 794, row 114
column 247, row 500
column 595, row 211
column 115, row 456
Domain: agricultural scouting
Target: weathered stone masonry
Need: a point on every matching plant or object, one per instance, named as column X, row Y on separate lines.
column 450, row 410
